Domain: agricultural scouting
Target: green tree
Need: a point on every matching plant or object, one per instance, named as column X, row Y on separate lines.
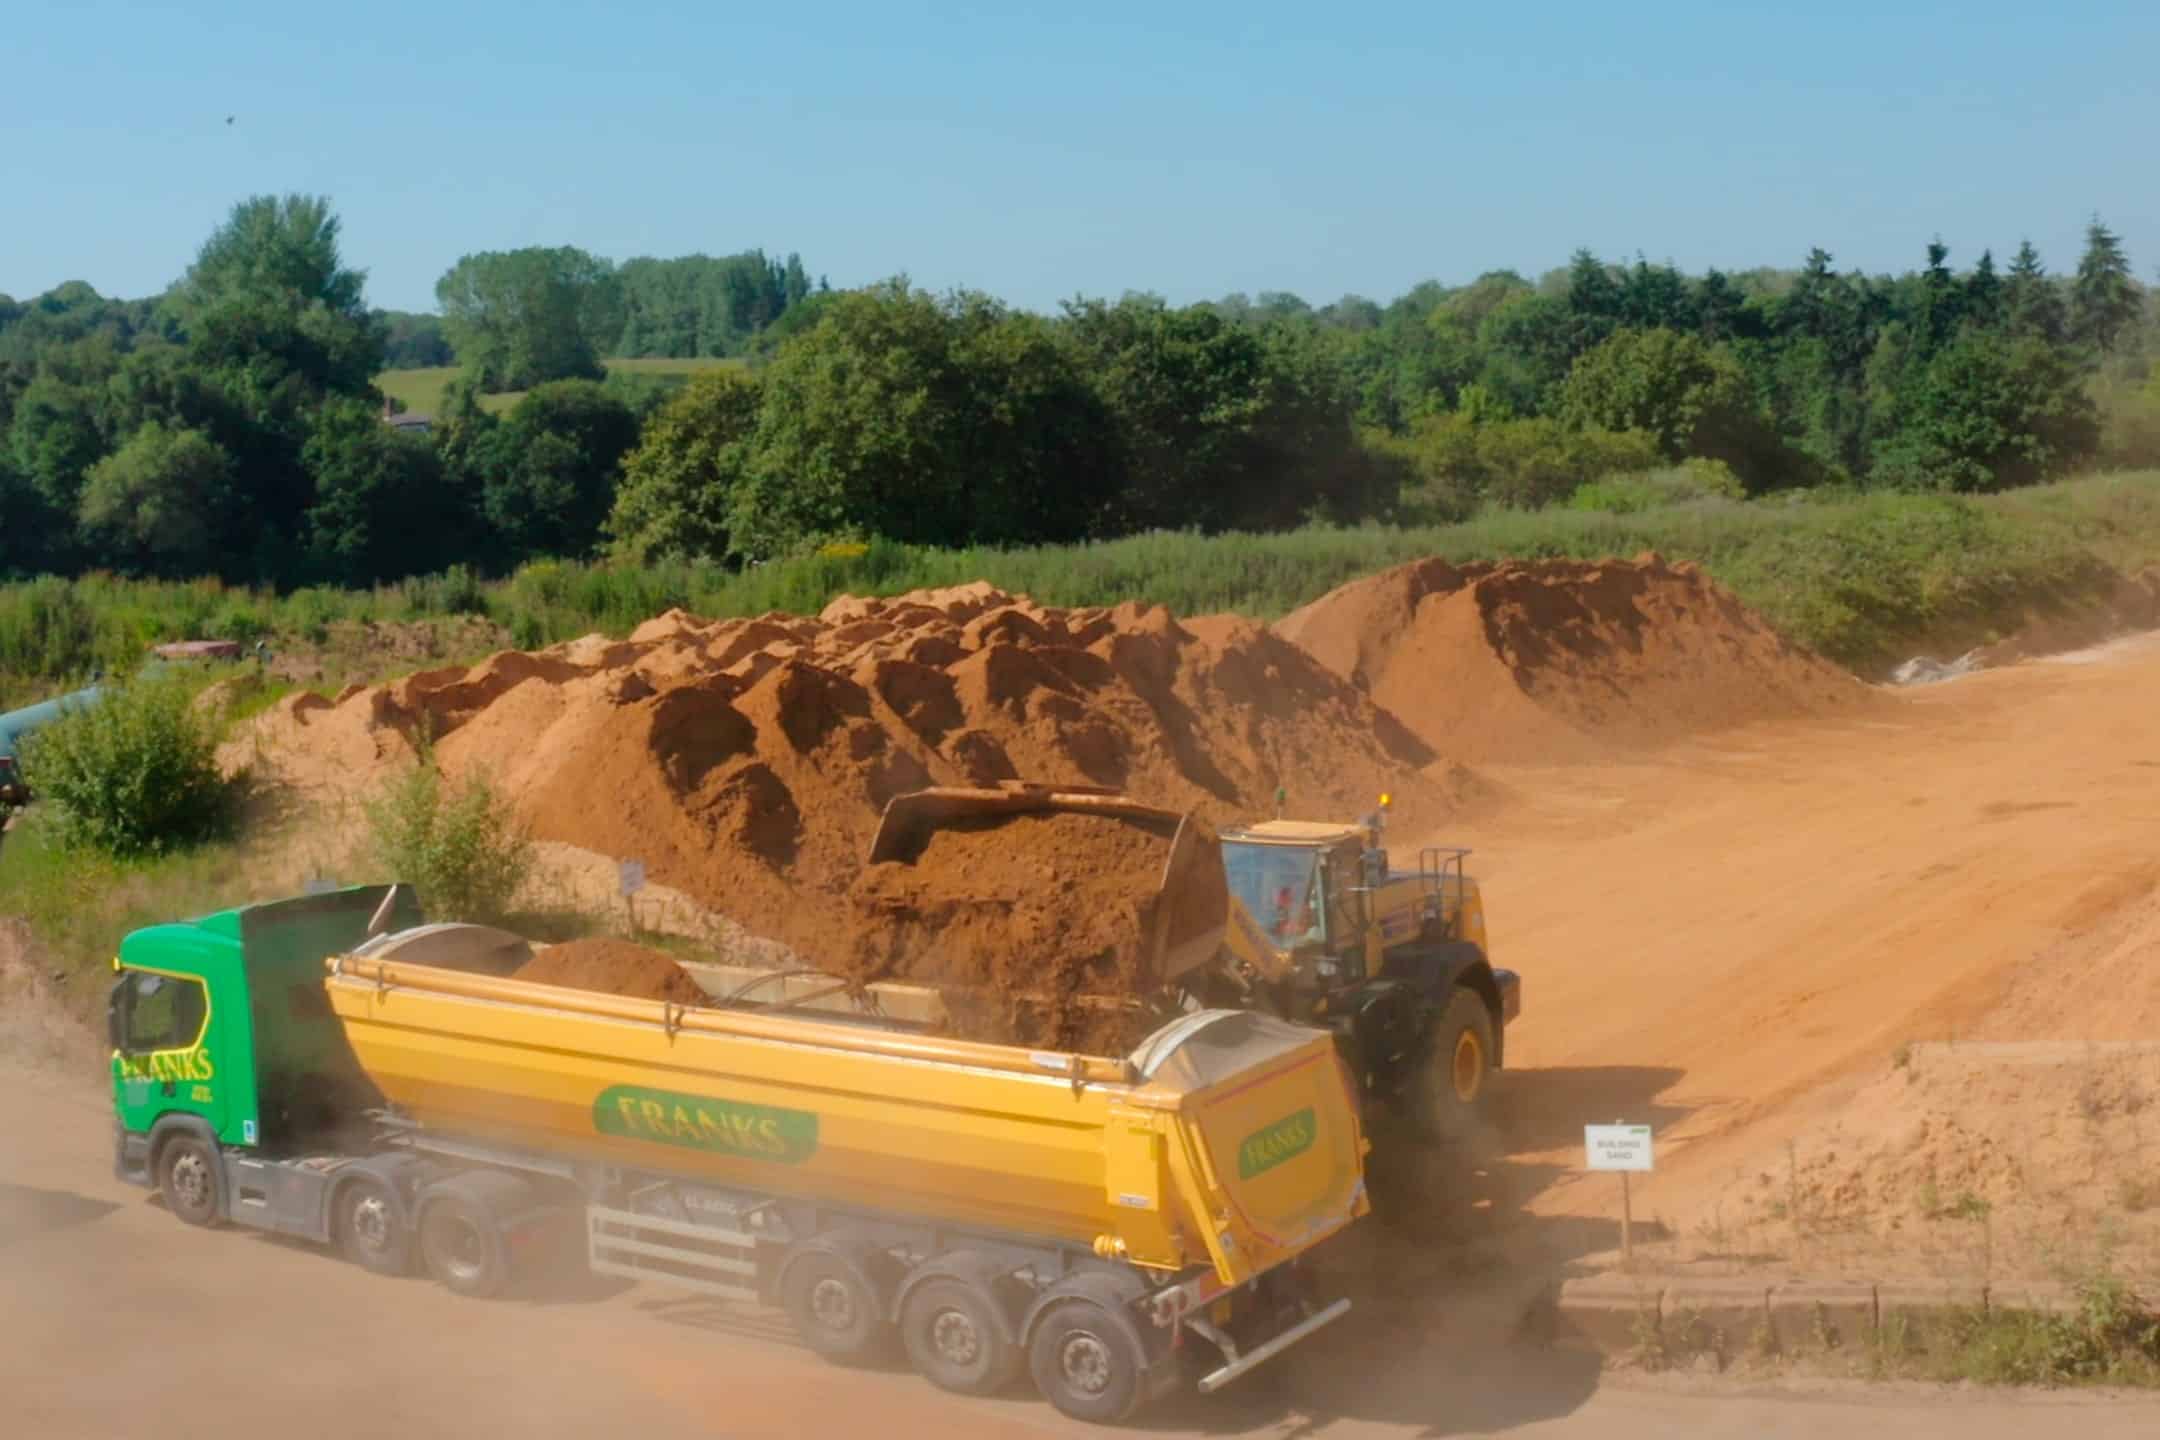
column 521, row 318
column 1187, row 391
column 2031, row 303
column 159, row 504
column 681, row 479
column 547, row 475
column 1987, row 416
column 2103, row 297
column 384, row 503
column 1688, row 396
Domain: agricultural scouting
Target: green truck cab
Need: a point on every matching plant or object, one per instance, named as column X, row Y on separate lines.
column 222, row 1040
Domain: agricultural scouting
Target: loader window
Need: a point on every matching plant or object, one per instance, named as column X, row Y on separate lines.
column 1279, row 886
column 160, row 1012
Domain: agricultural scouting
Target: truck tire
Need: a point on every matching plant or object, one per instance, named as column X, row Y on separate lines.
column 370, row 1230
column 1085, row 1363
column 463, row 1248
column 1457, row 1069
column 833, row 1307
column 957, row 1339
column 190, row 1180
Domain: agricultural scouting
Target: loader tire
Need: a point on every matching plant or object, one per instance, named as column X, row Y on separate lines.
column 1453, row 1079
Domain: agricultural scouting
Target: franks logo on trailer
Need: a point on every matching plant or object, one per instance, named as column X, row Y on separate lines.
column 728, row 1127
column 191, row 1065
column 1266, row 1148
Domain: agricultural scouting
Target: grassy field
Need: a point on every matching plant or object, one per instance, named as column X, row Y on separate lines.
column 1867, row 581
column 422, row 390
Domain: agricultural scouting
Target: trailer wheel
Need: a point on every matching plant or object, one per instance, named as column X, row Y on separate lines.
column 953, row 1335
column 369, row 1229
column 1085, row 1363
column 463, row 1249
column 188, row 1178
column 833, row 1308
column 1458, row 1064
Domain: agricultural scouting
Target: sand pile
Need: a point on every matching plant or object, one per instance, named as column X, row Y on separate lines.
column 746, row 762
column 1560, row 660
column 613, row 967
column 1033, row 926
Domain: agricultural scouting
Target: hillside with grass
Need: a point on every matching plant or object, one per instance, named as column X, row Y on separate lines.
column 421, row 389
column 1867, row 580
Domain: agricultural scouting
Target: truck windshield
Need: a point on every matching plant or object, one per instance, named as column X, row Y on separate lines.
column 1279, row 885
column 160, row 1012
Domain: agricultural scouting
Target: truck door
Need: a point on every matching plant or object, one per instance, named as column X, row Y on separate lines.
column 159, row 1024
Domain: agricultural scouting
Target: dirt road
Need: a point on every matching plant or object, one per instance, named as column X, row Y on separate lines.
column 119, row 1321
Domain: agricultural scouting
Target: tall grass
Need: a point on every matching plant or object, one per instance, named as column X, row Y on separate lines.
column 1861, row 579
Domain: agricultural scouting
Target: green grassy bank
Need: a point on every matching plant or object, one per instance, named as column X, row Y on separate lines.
column 1865, row 580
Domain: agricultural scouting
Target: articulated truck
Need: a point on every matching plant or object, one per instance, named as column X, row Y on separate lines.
column 332, row 1068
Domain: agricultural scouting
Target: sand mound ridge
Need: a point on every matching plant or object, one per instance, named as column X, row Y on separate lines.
column 746, row 761
column 1561, row 661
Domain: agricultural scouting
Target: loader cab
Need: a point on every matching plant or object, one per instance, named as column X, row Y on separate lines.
column 1308, row 887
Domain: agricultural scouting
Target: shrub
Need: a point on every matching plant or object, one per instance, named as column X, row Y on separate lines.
column 1692, row 479
column 460, row 845
column 133, row 773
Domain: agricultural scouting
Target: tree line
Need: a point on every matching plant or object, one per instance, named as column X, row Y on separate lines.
column 232, row 426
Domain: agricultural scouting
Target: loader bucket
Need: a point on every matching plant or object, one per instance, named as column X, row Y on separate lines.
column 1192, row 900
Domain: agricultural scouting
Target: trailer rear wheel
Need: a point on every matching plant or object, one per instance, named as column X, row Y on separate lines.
column 188, row 1179
column 463, row 1248
column 370, row 1231
column 1085, row 1363
column 833, row 1308
column 953, row 1335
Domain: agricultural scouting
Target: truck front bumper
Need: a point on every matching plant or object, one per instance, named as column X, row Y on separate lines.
column 131, row 1156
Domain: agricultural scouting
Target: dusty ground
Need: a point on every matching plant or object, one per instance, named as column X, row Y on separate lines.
column 1733, row 938
column 116, row 1313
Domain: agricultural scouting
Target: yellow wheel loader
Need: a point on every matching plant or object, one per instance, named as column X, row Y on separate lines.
column 1303, row 920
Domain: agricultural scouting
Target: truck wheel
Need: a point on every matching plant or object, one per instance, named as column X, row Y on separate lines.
column 1458, row 1064
column 954, row 1338
column 188, row 1178
column 463, row 1249
column 833, row 1308
column 370, row 1231
column 1085, row 1364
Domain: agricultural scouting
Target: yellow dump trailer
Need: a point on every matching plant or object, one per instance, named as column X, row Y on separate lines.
column 1095, row 1221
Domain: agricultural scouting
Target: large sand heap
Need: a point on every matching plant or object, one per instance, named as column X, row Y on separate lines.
column 746, row 762
column 1560, row 660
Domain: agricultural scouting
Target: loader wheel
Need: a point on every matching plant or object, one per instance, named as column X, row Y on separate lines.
column 954, row 1338
column 1458, row 1065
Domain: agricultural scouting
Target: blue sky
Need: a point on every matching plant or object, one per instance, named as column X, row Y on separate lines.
column 1034, row 151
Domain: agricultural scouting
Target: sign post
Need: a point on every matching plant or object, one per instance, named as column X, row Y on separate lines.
column 1626, row 1149
column 629, row 879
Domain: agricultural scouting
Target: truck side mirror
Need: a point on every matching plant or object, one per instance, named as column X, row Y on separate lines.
column 116, row 1014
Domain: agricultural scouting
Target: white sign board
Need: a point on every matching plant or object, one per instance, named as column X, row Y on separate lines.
column 320, row 886
column 1617, row 1147
column 631, row 876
